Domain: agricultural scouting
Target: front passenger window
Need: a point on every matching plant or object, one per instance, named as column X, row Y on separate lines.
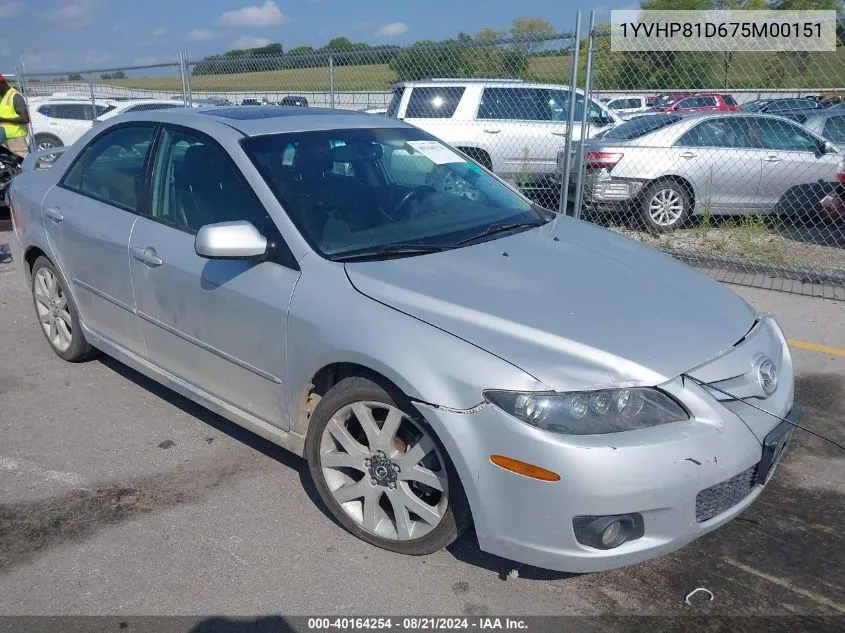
column 111, row 167
column 196, row 183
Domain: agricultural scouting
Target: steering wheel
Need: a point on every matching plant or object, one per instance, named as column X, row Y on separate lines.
column 417, row 192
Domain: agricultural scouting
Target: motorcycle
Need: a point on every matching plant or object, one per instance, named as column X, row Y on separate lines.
column 10, row 166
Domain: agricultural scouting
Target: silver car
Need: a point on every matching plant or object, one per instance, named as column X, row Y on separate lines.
column 667, row 167
column 440, row 350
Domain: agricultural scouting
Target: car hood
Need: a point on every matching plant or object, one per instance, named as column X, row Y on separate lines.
column 574, row 305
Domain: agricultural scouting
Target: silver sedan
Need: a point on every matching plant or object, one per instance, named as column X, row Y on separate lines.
column 440, row 350
column 667, row 168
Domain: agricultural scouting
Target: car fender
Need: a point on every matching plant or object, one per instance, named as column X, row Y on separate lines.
column 331, row 322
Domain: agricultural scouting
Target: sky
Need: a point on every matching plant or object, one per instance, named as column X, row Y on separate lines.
column 66, row 35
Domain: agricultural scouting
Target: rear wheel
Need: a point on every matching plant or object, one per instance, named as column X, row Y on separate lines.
column 57, row 313
column 665, row 205
column 382, row 472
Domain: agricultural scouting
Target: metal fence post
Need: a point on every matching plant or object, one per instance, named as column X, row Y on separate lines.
column 182, row 77
column 93, row 100
column 573, row 85
column 331, row 81
column 579, row 165
column 187, row 75
column 21, row 81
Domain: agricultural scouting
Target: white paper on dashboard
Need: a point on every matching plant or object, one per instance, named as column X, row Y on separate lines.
column 435, row 152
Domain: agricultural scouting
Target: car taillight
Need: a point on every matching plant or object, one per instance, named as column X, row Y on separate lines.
column 598, row 160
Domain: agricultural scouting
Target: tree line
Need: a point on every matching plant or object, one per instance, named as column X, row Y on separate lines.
column 466, row 55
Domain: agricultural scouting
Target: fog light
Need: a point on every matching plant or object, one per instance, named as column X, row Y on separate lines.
column 608, row 532
column 611, row 533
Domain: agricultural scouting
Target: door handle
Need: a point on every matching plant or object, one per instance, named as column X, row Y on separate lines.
column 687, row 154
column 147, row 256
column 772, row 159
column 54, row 214
column 559, row 133
column 491, row 131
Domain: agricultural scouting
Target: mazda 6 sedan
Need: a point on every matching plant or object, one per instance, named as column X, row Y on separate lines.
column 440, row 350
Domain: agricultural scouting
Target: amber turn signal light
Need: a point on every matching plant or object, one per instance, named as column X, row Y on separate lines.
column 521, row 468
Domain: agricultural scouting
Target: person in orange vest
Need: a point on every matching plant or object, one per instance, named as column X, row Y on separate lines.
column 14, row 119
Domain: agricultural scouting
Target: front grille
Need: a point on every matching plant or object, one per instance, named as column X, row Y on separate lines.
column 716, row 499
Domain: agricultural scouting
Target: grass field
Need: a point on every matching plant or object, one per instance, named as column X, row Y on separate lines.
column 747, row 70
column 369, row 77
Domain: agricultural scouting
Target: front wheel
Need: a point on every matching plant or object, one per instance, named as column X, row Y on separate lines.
column 47, row 141
column 382, row 472
column 666, row 205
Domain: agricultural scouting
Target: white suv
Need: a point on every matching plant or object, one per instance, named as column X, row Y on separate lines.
column 513, row 127
column 57, row 122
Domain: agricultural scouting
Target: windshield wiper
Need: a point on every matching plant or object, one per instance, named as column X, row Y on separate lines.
column 390, row 250
column 495, row 229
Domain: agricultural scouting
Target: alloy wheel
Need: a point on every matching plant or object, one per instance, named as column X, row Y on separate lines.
column 53, row 310
column 384, row 470
column 666, row 207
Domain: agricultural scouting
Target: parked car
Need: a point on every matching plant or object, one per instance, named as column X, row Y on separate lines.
column 513, row 127
column 665, row 99
column 250, row 101
column 60, row 121
column 703, row 102
column 294, row 101
column 467, row 377
column 833, row 204
column 628, row 105
column 827, row 123
column 667, row 167
column 138, row 105
column 779, row 106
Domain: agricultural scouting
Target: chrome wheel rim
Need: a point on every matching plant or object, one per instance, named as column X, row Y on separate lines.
column 53, row 310
column 666, row 207
column 385, row 471
column 44, row 145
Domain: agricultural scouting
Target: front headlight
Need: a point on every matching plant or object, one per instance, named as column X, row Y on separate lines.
column 590, row 412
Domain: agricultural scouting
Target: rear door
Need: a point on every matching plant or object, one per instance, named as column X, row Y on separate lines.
column 89, row 217
column 719, row 158
column 219, row 325
column 793, row 165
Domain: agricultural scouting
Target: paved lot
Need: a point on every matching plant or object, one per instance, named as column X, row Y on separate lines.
column 120, row 497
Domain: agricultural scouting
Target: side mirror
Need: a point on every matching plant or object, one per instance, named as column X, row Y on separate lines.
column 230, row 240
column 828, row 148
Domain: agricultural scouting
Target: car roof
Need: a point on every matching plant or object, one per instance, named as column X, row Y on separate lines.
column 261, row 120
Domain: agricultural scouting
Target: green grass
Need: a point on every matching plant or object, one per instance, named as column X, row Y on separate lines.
column 365, row 77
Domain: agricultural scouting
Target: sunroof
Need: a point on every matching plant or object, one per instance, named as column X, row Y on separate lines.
column 248, row 113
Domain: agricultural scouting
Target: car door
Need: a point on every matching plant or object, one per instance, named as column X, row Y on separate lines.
column 89, row 217
column 219, row 325
column 793, row 165
column 718, row 156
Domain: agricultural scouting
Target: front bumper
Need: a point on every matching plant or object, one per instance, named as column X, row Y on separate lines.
column 684, row 479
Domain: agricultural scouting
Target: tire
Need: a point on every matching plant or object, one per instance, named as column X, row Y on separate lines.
column 665, row 205
column 57, row 313
column 47, row 141
column 367, row 483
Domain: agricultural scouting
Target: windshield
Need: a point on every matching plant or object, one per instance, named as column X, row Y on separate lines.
column 640, row 127
column 664, row 101
column 363, row 189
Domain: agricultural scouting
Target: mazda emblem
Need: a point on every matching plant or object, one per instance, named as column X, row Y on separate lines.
column 767, row 376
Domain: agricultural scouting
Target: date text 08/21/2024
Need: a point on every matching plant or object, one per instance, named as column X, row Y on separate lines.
column 415, row 624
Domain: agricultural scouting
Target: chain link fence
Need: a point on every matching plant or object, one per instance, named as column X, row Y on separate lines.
column 750, row 196
column 727, row 160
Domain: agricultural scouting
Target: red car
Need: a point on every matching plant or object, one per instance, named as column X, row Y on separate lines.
column 702, row 102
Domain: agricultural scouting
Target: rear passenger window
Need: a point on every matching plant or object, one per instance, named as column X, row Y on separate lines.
column 111, row 167
column 433, row 103
column 729, row 100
